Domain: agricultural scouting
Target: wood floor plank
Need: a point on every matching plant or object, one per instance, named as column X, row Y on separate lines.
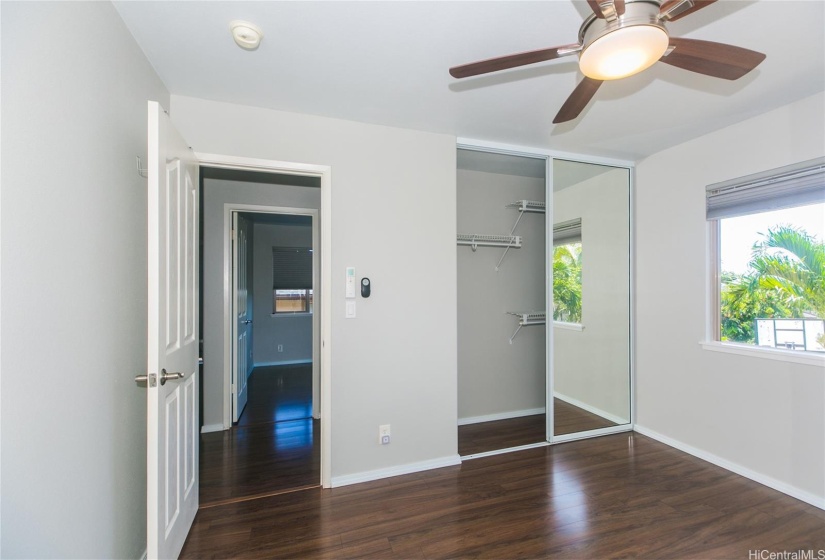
column 619, row 496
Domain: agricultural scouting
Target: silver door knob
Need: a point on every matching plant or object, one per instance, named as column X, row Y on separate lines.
column 166, row 376
column 246, row 322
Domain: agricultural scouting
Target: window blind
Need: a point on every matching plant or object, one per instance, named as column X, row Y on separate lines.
column 291, row 268
column 567, row 232
column 793, row 185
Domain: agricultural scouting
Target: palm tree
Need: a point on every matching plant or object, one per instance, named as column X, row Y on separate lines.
column 791, row 262
column 567, row 283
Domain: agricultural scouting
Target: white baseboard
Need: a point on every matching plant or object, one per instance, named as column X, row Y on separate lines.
column 281, row 363
column 785, row 488
column 398, row 470
column 500, row 416
column 207, row 428
column 592, row 409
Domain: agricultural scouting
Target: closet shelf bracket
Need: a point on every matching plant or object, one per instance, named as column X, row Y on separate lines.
column 528, row 318
column 522, row 206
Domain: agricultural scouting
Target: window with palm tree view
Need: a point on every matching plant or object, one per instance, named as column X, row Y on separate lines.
column 772, row 278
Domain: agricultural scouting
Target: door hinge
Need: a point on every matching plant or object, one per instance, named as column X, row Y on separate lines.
column 232, row 234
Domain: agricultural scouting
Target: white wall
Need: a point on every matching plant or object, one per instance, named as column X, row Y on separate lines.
column 216, row 194
column 73, row 282
column 763, row 415
column 393, row 219
column 294, row 332
column 495, row 377
column 592, row 366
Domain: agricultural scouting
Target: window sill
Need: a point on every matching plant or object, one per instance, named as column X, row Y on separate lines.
column 793, row 356
column 568, row 326
column 296, row 314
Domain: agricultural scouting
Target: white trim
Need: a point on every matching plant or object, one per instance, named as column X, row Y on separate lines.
column 209, row 428
column 576, row 436
column 500, row 416
column 398, row 470
column 283, row 363
column 529, row 151
column 324, row 172
column 568, row 326
column 591, row 409
column 793, row 356
column 770, row 482
column 505, row 450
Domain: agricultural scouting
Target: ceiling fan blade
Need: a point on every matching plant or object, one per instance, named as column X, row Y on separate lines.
column 512, row 61
column 667, row 5
column 595, row 5
column 578, row 100
column 712, row 59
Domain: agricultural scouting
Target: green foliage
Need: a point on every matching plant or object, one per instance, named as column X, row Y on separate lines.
column 786, row 279
column 567, row 283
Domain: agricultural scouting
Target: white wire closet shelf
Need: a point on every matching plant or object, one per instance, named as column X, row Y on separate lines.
column 475, row 240
column 529, row 206
column 528, row 318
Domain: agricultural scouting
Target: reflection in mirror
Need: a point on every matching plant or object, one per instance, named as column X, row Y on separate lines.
column 591, row 296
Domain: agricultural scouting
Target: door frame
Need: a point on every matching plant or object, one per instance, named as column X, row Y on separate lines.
column 324, row 173
column 229, row 323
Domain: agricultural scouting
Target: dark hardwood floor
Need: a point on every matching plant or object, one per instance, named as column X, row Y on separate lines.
column 513, row 432
column 501, row 434
column 275, row 447
column 619, row 496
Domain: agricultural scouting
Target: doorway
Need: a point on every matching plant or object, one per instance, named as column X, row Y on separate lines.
column 269, row 441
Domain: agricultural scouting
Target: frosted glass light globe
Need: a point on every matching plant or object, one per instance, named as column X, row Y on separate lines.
column 623, row 52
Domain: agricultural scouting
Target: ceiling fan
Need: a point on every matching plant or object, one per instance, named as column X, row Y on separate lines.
column 622, row 38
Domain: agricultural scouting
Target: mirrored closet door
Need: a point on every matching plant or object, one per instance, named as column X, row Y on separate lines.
column 502, row 278
column 590, row 263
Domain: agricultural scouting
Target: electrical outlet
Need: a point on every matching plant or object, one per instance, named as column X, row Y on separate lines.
column 280, row 348
column 384, row 434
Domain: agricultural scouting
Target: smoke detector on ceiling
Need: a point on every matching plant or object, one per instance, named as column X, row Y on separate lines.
column 247, row 35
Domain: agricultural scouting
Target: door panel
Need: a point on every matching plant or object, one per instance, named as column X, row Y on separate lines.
column 241, row 290
column 172, row 450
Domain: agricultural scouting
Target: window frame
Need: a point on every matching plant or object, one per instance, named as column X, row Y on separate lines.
column 308, row 291
column 308, row 296
column 713, row 328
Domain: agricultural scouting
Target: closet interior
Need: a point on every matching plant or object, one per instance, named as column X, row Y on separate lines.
column 541, row 279
column 501, row 221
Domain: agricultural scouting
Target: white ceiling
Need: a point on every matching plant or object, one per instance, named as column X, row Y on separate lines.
column 386, row 63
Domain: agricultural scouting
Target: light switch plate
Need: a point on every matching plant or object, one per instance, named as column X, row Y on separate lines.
column 350, row 309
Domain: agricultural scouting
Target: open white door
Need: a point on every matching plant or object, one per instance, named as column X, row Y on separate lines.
column 172, row 385
column 242, row 340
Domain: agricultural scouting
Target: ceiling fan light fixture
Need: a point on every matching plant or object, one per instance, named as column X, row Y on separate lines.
column 246, row 35
column 623, row 52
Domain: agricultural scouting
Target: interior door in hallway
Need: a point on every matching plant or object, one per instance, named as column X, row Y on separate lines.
column 172, row 358
column 242, row 341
